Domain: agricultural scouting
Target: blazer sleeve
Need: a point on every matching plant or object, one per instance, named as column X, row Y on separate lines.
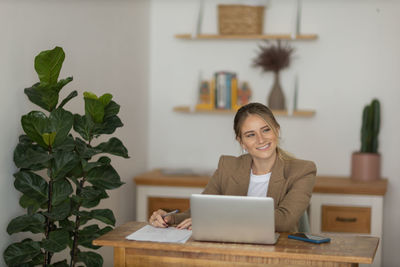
column 214, row 185
column 212, row 188
column 296, row 200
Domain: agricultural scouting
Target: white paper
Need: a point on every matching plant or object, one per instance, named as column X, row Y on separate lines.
column 154, row 234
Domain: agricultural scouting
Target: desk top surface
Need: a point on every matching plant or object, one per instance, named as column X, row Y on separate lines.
column 323, row 184
column 342, row 248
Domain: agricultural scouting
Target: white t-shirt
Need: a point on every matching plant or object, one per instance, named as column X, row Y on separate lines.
column 258, row 186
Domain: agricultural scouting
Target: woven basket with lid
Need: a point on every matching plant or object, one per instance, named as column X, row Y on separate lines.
column 240, row 19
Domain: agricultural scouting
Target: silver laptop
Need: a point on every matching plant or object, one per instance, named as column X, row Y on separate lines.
column 233, row 219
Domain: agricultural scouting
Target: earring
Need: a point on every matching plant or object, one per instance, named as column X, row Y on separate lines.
column 244, row 151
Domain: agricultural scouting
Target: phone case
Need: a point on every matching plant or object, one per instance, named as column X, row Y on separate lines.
column 319, row 241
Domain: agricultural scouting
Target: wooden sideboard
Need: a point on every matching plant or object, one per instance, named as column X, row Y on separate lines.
column 338, row 204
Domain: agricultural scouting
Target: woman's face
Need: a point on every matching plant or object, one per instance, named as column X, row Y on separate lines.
column 258, row 138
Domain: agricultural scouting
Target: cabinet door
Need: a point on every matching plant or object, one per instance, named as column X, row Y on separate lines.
column 167, row 204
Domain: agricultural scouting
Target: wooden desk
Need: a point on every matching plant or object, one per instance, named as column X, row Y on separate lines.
column 341, row 251
column 361, row 203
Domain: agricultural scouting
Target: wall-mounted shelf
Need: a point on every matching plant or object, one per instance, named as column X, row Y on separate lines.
column 296, row 113
column 248, row 37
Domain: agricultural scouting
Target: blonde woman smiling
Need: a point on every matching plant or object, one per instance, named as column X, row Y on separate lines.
column 264, row 170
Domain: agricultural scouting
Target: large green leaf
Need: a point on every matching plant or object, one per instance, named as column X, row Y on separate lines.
column 84, row 150
column 84, row 217
column 90, row 258
column 104, row 215
column 87, row 166
column 48, row 65
column 95, row 106
column 113, row 146
column 27, row 223
column 75, row 174
column 111, row 109
column 42, row 95
column 61, row 123
column 45, row 95
column 63, row 163
column 61, row 191
column 95, row 109
column 83, row 126
column 108, row 126
column 67, row 145
column 30, row 203
column 31, row 156
column 104, row 177
column 60, row 211
column 57, row 241
column 67, row 225
column 104, row 160
column 49, row 138
column 89, row 233
column 31, row 184
column 18, row 253
column 35, row 123
column 91, row 196
column 24, row 139
column 37, row 260
column 68, row 98
column 105, row 99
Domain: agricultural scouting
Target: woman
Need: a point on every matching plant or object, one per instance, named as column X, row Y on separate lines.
column 265, row 170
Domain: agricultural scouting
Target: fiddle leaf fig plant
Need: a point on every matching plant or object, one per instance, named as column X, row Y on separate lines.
column 63, row 175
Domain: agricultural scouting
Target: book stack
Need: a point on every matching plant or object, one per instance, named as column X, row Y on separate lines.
column 220, row 93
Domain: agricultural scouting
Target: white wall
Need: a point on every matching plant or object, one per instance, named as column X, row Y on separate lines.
column 356, row 58
column 106, row 46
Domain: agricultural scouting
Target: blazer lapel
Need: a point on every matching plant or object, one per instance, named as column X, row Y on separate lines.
column 241, row 177
column 276, row 181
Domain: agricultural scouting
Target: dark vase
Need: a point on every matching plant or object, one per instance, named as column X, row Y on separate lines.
column 276, row 98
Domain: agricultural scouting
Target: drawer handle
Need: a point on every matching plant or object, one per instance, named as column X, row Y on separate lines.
column 341, row 219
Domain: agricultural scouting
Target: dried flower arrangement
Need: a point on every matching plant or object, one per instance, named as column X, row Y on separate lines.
column 274, row 57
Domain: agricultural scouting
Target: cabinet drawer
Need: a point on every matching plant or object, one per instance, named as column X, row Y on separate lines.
column 346, row 219
column 167, row 204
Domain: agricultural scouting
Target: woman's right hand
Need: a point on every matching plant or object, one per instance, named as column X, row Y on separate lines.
column 157, row 220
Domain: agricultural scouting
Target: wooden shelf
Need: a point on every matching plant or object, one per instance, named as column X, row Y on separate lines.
column 296, row 113
column 247, row 37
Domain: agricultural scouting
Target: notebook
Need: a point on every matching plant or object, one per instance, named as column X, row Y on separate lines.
column 238, row 219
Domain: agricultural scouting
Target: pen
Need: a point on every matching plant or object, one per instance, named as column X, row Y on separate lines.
column 170, row 213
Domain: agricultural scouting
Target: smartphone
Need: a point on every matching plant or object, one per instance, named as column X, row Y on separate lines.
column 309, row 238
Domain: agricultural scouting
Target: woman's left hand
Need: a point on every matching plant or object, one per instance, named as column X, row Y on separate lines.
column 186, row 224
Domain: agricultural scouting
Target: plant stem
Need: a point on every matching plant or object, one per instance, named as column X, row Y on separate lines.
column 77, row 224
column 48, row 255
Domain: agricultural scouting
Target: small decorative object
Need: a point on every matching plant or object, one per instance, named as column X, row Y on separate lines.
column 240, row 19
column 206, row 97
column 274, row 58
column 60, row 177
column 365, row 164
column 244, row 94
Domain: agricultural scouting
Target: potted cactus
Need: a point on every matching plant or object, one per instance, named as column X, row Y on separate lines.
column 366, row 164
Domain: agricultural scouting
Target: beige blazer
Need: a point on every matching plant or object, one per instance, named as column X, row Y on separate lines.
column 291, row 184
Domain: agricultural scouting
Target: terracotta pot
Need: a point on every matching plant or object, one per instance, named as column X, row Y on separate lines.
column 365, row 166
